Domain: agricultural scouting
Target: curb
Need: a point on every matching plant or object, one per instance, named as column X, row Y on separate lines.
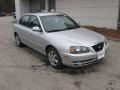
column 114, row 39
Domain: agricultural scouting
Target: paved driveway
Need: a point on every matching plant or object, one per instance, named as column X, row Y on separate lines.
column 25, row 69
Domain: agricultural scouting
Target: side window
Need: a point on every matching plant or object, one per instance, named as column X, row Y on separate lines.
column 34, row 22
column 20, row 21
column 24, row 20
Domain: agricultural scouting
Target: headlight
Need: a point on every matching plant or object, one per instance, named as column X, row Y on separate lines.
column 78, row 49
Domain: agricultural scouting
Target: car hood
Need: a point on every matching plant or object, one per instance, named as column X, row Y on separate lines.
column 80, row 36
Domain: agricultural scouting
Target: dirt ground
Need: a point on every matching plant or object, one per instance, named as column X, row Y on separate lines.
column 25, row 69
column 110, row 33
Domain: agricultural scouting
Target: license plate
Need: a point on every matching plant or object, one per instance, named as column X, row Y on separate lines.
column 101, row 54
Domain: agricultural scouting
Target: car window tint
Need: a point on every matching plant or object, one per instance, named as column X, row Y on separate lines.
column 34, row 22
column 24, row 20
column 20, row 21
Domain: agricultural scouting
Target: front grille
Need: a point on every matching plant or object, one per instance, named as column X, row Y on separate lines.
column 98, row 47
column 85, row 62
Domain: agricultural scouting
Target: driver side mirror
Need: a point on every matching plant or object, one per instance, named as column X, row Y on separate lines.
column 37, row 29
column 78, row 22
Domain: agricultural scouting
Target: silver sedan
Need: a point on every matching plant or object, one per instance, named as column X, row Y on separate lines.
column 61, row 39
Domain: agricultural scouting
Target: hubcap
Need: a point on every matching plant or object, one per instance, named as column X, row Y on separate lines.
column 17, row 40
column 53, row 59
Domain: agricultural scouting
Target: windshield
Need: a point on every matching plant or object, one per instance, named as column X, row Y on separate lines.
column 54, row 23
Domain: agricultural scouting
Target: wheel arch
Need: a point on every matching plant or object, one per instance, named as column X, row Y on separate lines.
column 47, row 47
column 15, row 33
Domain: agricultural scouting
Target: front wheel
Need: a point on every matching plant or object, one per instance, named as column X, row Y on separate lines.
column 54, row 58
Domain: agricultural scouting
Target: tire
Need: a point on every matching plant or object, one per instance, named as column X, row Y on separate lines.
column 18, row 41
column 54, row 58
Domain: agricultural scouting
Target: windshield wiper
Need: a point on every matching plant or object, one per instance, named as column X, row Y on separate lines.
column 73, row 27
column 63, row 29
column 57, row 30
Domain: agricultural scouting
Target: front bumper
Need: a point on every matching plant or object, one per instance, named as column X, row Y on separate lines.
column 80, row 60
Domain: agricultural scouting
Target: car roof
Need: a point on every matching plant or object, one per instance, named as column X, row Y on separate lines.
column 43, row 14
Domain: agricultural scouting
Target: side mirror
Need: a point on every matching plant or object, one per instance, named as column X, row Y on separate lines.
column 36, row 28
column 78, row 22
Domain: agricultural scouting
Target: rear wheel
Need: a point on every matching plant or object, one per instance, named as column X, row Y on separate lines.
column 54, row 58
column 18, row 41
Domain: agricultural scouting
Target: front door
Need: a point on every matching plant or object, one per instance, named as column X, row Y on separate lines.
column 35, row 37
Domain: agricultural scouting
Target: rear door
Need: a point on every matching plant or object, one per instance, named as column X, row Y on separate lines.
column 24, row 29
